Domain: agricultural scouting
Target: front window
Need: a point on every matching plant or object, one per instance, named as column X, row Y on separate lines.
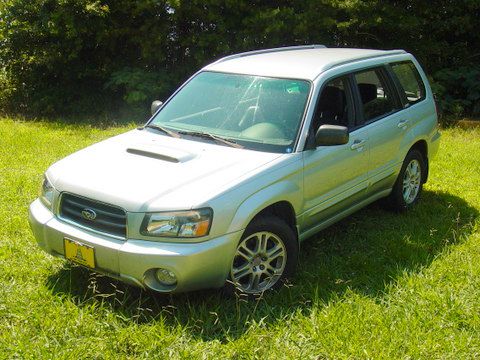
column 254, row 112
column 334, row 105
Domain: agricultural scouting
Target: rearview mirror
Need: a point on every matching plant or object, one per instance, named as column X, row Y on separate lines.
column 155, row 106
column 328, row 135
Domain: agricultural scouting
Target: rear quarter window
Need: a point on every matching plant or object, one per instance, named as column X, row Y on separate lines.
column 412, row 87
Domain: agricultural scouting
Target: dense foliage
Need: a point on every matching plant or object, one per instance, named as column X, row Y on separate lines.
column 91, row 56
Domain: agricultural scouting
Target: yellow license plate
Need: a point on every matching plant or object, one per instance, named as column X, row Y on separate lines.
column 80, row 253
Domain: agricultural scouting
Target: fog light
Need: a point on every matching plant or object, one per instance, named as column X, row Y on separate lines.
column 166, row 277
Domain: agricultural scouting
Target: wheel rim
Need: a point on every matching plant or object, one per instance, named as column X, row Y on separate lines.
column 411, row 181
column 259, row 262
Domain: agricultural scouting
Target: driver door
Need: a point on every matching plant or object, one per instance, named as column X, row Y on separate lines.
column 335, row 177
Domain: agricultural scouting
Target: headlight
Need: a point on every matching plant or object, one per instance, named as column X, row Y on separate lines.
column 189, row 224
column 46, row 193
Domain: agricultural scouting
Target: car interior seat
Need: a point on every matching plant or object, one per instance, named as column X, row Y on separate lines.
column 373, row 105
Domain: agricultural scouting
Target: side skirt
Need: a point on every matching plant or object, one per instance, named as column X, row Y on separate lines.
column 326, row 223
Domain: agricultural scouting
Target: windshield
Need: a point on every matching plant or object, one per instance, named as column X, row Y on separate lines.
column 255, row 112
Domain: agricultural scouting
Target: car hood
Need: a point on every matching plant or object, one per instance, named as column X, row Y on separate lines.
column 146, row 171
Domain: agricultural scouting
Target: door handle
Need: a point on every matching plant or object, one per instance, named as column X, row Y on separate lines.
column 357, row 144
column 402, row 124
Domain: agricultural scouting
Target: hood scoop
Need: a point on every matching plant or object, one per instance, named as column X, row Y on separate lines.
column 161, row 153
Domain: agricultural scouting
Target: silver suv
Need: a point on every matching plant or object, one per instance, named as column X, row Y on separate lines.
column 252, row 155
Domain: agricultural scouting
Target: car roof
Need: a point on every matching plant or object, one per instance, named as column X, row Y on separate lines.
column 297, row 62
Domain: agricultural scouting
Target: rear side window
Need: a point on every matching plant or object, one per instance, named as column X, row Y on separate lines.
column 376, row 97
column 410, row 81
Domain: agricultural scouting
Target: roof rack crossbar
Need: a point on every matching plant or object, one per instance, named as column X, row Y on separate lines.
column 265, row 51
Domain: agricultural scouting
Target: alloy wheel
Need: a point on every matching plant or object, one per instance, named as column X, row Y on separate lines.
column 259, row 262
column 411, row 181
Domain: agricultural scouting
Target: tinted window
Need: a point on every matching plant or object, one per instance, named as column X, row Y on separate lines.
column 375, row 96
column 410, row 80
column 332, row 107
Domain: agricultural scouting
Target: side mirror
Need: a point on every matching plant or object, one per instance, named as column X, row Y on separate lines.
column 155, row 105
column 328, row 135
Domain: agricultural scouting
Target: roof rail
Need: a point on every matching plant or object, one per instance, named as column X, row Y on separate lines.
column 265, row 51
column 344, row 62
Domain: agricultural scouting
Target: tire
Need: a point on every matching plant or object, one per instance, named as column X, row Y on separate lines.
column 409, row 184
column 265, row 257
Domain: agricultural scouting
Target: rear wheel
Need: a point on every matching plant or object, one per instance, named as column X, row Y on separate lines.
column 409, row 184
column 265, row 257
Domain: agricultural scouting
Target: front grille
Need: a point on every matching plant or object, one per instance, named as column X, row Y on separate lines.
column 108, row 219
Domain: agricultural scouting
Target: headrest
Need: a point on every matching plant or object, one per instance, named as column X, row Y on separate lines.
column 333, row 99
column 368, row 92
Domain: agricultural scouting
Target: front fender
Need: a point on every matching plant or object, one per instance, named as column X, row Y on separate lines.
column 287, row 190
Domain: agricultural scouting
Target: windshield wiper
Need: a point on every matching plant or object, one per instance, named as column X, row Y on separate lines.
column 217, row 138
column 163, row 129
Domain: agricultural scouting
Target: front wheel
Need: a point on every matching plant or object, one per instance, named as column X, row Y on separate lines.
column 409, row 184
column 265, row 257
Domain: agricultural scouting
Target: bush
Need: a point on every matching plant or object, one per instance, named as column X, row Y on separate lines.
column 93, row 56
column 458, row 90
column 138, row 85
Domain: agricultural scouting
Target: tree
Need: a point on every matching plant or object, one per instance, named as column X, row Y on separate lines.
column 81, row 56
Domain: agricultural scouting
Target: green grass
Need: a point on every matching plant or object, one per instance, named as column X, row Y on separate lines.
column 376, row 285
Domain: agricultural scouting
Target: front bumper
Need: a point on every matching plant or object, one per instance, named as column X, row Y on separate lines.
column 196, row 265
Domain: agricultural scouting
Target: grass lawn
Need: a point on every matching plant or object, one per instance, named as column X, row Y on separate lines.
column 376, row 285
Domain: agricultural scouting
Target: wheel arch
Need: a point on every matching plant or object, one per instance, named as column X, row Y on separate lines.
column 422, row 147
column 281, row 209
column 281, row 200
